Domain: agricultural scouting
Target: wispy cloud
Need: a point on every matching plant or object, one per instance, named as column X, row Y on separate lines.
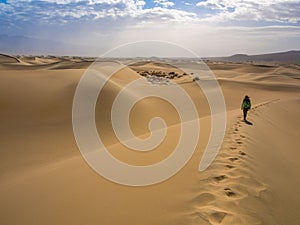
column 164, row 3
column 213, row 27
column 276, row 11
column 64, row 10
column 282, row 11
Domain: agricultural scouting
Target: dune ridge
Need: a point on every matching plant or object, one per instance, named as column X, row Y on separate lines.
column 8, row 59
column 44, row 179
column 231, row 192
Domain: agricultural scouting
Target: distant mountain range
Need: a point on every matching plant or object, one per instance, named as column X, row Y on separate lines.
column 280, row 57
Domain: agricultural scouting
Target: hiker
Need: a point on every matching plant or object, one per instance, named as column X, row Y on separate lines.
column 246, row 105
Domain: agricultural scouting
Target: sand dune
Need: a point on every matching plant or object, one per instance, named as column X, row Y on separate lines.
column 8, row 59
column 44, row 179
column 44, row 62
column 254, row 179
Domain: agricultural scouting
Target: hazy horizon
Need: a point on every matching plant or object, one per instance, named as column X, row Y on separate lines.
column 145, row 57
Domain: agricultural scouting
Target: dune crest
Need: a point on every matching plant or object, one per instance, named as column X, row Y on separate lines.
column 44, row 179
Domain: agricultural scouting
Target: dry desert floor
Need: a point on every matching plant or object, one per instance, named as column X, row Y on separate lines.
column 44, row 179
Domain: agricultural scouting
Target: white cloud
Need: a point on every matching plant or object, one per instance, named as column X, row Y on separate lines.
column 52, row 11
column 188, row 3
column 112, row 22
column 276, row 11
column 140, row 4
column 62, row 1
column 164, row 3
column 284, row 11
column 49, row 1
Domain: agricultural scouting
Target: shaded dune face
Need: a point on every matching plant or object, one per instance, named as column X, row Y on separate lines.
column 140, row 116
column 45, row 180
column 8, row 59
column 139, row 119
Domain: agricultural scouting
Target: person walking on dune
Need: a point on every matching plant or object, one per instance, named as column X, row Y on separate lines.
column 246, row 105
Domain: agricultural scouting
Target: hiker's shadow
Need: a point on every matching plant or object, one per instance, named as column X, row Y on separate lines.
column 248, row 122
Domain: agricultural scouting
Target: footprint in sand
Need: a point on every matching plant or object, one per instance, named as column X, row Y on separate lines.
column 233, row 148
column 242, row 153
column 239, row 142
column 218, row 216
column 220, row 178
column 232, row 159
column 230, row 166
column 242, row 136
column 229, row 192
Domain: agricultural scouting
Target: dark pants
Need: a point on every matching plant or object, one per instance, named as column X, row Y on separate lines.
column 245, row 110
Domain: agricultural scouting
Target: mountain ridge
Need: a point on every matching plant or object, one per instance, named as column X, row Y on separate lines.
column 291, row 56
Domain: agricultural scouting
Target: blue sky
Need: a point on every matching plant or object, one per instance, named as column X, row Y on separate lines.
column 207, row 27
